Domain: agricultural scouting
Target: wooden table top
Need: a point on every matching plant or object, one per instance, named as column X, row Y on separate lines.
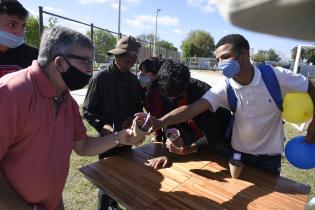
column 198, row 181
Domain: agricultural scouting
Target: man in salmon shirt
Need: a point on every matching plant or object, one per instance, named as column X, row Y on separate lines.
column 40, row 123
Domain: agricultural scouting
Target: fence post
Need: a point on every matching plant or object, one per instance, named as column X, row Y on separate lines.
column 41, row 25
column 92, row 40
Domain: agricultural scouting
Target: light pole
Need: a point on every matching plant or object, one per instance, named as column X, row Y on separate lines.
column 154, row 46
column 119, row 7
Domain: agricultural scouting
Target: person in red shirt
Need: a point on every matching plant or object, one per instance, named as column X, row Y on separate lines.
column 205, row 131
column 14, row 53
column 40, row 123
column 153, row 101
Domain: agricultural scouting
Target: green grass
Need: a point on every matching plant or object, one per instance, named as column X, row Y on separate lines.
column 81, row 194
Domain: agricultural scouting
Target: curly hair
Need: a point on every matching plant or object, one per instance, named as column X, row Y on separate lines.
column 238, row 41
column 151, row 64
column 173, row 78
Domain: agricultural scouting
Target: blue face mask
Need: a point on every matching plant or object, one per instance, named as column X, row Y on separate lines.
column 145, row 81
column 10, row 40
column 229, row 68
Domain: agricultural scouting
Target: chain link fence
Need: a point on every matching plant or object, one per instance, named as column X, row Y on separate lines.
column 103, row 39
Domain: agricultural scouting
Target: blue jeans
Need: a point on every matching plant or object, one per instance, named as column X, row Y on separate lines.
column 270, row 163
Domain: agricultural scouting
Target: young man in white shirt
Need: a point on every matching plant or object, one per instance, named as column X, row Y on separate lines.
column 258, row 128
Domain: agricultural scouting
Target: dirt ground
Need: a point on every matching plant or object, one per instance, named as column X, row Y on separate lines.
column 206, row 72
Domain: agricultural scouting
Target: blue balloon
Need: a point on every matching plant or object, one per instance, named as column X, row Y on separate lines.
column 300, row 154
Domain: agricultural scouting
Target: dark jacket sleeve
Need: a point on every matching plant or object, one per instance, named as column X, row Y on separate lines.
column 93, row 103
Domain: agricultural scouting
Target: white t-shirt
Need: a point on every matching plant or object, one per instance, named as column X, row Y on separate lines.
column 258, row 127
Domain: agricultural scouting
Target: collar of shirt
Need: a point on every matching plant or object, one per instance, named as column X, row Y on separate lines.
column 254, row 82
column 116, row 71
column 44, row 85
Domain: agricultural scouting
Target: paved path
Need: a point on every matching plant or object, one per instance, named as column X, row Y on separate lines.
column 207, row 76
column 79, row 95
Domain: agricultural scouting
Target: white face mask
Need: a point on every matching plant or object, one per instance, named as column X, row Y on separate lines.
column 10, row 40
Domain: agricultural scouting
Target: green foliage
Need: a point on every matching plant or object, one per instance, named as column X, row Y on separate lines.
column 189, row 49
column 272, row 56
column 52, row 22
column 198, row 43
column 260, row 56
column 266, row 55
column 32, row 31
column 103, row 41
column 147, row 37
column 306, row 54
column 167, row 45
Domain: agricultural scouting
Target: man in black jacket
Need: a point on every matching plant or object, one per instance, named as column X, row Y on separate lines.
column 206, row 130
column 113, row 97
column 14, row 53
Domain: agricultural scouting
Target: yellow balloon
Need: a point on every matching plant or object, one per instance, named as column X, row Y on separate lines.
column 297, row 107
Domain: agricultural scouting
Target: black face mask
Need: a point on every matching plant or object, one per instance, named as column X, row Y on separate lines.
column 74, row 78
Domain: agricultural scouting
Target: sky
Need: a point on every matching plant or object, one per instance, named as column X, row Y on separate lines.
column 175, row 20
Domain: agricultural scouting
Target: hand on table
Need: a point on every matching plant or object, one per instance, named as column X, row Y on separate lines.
column 157, row 162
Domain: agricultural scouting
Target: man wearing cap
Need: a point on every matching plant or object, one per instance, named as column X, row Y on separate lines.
column 114, row 95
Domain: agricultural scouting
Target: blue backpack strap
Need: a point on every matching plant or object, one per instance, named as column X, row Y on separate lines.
column 233, row 104
column 270, row 79
column 231, row 96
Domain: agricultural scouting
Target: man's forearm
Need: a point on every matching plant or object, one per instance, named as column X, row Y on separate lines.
column 183, row 113
column 178, row 115
column 9, row 198
column 96, row 145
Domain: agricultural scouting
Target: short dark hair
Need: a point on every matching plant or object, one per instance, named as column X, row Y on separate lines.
column 238, row 41
column 173, row 78
column 13, row 8
column 151, row 64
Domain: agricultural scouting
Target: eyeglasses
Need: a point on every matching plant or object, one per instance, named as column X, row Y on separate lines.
column 87, row 61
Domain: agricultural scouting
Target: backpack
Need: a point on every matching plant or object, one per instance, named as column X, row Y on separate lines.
column 269, row 77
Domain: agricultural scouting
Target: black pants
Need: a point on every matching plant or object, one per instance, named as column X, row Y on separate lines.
column 104, row 201
column 270, row 163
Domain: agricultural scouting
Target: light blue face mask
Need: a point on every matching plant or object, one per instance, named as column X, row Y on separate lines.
column 229, row 68
column 145, row 81
column 10, row 40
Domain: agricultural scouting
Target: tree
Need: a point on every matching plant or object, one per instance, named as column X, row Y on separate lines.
column 272, row 56
column 103, row 41
column 266, row 55
column 198, row 43
column 159, row 43
column 32, row 31
column 147, row 37
column 167, row 45
column 260, row 56
column 311, row 56
column 189, row 49
column 306, row 54
column 52, row 22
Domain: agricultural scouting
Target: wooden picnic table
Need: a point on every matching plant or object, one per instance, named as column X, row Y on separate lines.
column 198, row 181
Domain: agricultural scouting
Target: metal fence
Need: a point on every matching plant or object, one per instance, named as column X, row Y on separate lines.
column 89, row 29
